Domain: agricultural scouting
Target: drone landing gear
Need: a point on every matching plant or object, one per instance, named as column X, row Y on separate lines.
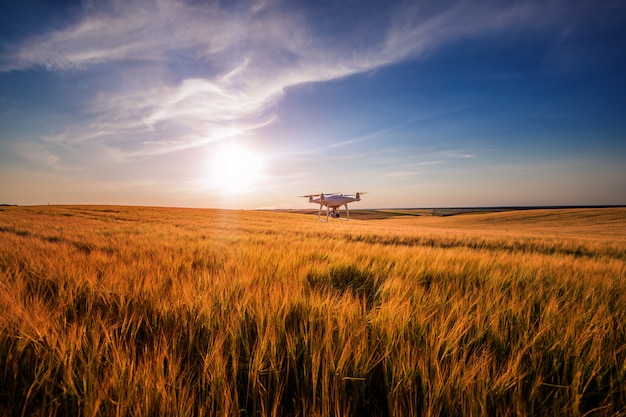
column 335, row 214
column 347, row 214
column 319, row 215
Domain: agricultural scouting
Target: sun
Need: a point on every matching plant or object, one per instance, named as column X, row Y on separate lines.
column 237, row 169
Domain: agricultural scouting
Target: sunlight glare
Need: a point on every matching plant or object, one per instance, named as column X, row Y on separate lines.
column 237, row 168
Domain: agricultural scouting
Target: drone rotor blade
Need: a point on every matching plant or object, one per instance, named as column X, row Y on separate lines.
column 328, row 195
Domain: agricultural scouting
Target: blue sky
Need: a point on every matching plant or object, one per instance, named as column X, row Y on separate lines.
column 248, row 104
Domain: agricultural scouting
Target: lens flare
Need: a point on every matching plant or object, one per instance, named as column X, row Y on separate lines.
column 236, row 168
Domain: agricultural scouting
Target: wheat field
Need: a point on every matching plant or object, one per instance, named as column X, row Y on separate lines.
column 135, row 311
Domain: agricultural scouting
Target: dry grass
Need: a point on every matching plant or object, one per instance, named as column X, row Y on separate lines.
column 146, row 311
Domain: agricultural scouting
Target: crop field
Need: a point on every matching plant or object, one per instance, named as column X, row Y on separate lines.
column 135, row 311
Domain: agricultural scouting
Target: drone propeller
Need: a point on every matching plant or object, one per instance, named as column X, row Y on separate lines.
column 317, row 195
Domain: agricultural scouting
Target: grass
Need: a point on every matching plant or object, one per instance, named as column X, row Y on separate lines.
column 155, row 311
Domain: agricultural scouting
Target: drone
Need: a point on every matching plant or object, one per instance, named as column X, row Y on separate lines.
column 333, row 201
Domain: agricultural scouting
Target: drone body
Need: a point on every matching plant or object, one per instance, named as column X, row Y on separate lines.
column 333, row 201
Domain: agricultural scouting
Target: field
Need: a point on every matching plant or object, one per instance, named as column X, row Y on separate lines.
column 158, row 311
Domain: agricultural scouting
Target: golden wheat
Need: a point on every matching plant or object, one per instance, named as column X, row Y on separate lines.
column 146, row 311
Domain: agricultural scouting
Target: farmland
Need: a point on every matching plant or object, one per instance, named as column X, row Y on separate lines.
column 112, row 310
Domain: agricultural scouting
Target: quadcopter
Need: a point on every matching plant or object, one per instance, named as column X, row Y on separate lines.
column 333, row 201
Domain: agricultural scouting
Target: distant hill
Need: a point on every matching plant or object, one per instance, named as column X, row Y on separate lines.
column 377, row 214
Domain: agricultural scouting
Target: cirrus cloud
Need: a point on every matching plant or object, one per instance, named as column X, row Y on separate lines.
column 246, row 58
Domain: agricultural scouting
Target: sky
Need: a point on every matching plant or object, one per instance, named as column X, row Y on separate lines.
column 248, row 104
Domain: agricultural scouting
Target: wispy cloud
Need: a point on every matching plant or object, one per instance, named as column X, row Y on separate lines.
column 122, row 30
column 252, row 57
